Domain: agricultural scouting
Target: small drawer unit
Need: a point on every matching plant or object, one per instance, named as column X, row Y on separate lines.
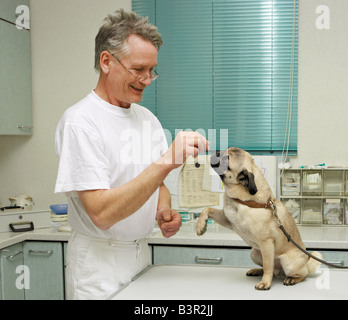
column 334, row 183
column 312, row 211
column 312, row 183
column 291, row 183
column 333, row 211
column 19, row 220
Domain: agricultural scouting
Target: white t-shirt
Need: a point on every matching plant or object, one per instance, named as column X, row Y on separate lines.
column 102, row 146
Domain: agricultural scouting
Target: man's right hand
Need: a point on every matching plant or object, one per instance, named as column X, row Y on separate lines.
column 185, row 144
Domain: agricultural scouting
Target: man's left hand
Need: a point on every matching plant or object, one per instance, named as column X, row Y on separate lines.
column 169, row 221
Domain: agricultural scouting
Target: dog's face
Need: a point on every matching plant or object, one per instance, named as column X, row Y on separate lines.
column 234, row 166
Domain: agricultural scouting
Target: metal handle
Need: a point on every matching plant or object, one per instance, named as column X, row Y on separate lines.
column 48, row 252
column 24, row 127
column 339, row 263
column 208, row 260
column 14, row 255
column 12, row 226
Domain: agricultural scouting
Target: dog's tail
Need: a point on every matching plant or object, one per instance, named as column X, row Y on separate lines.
column 313, row 264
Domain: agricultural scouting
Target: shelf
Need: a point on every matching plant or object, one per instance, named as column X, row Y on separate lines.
column 316, row 196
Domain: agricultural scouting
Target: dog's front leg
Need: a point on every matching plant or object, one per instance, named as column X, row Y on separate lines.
column 201, row 227
column 204, row 216
column 267, row 252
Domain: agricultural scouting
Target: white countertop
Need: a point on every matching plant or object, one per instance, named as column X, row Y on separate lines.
column 170, row 282
column 314, row 237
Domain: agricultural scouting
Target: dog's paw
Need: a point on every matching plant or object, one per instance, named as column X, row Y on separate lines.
column 201, row 227
column 255, row 272
column 290, row 281
column 263, row 285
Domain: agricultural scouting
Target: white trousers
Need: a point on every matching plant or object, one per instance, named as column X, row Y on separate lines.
column 97, row 267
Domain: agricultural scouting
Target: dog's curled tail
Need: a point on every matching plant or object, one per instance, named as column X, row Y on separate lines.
column 313, row 264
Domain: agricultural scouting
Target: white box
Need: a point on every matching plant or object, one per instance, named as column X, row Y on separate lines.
column 24, row 220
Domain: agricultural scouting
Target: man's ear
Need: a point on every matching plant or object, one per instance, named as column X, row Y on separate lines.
column 247, row 179
column 104, row 60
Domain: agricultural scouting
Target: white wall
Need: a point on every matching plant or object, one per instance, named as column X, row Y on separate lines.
column 62, row 41
column 63, row 34
column 323, row 85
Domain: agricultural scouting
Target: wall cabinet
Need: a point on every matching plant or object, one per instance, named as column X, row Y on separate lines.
column 15, row 66
column 32, row 270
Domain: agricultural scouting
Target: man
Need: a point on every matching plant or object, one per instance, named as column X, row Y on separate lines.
column 113, row 160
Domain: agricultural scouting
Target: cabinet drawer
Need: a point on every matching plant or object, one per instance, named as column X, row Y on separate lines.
column 202, row 255
column 223, row 256
column 336, row 257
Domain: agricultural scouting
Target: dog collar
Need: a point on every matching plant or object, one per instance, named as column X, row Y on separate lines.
column 253, row 204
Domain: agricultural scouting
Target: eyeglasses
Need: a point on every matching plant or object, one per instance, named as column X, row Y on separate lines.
column 142, row 77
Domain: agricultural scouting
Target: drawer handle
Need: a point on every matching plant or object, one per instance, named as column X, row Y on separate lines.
column 12, row 226
column 48, row 252
column 12, row 256
column 339, row 263
column 208, row 260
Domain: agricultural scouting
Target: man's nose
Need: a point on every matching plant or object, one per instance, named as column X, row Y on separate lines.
column 146, row 82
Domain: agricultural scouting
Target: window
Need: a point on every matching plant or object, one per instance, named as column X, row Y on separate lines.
column 228, row 68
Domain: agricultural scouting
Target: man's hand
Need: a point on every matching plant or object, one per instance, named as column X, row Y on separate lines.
column 169, row 221
column 186, row 143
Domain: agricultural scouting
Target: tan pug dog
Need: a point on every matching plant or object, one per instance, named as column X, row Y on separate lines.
column 246, row 195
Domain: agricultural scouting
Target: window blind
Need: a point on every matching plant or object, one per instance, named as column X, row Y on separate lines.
column 184, row 89
column 227, row 65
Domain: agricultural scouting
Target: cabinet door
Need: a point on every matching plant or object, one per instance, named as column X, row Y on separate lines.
column 12, row 286
column 15, row 81
column 65, row 260
column 45, row 262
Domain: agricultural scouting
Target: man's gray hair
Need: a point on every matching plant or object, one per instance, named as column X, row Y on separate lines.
column 113, row 35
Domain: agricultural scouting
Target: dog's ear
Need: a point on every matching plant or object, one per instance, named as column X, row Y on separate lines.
column 247, row 179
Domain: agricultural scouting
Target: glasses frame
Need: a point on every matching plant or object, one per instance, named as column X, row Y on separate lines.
column 141, row 77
